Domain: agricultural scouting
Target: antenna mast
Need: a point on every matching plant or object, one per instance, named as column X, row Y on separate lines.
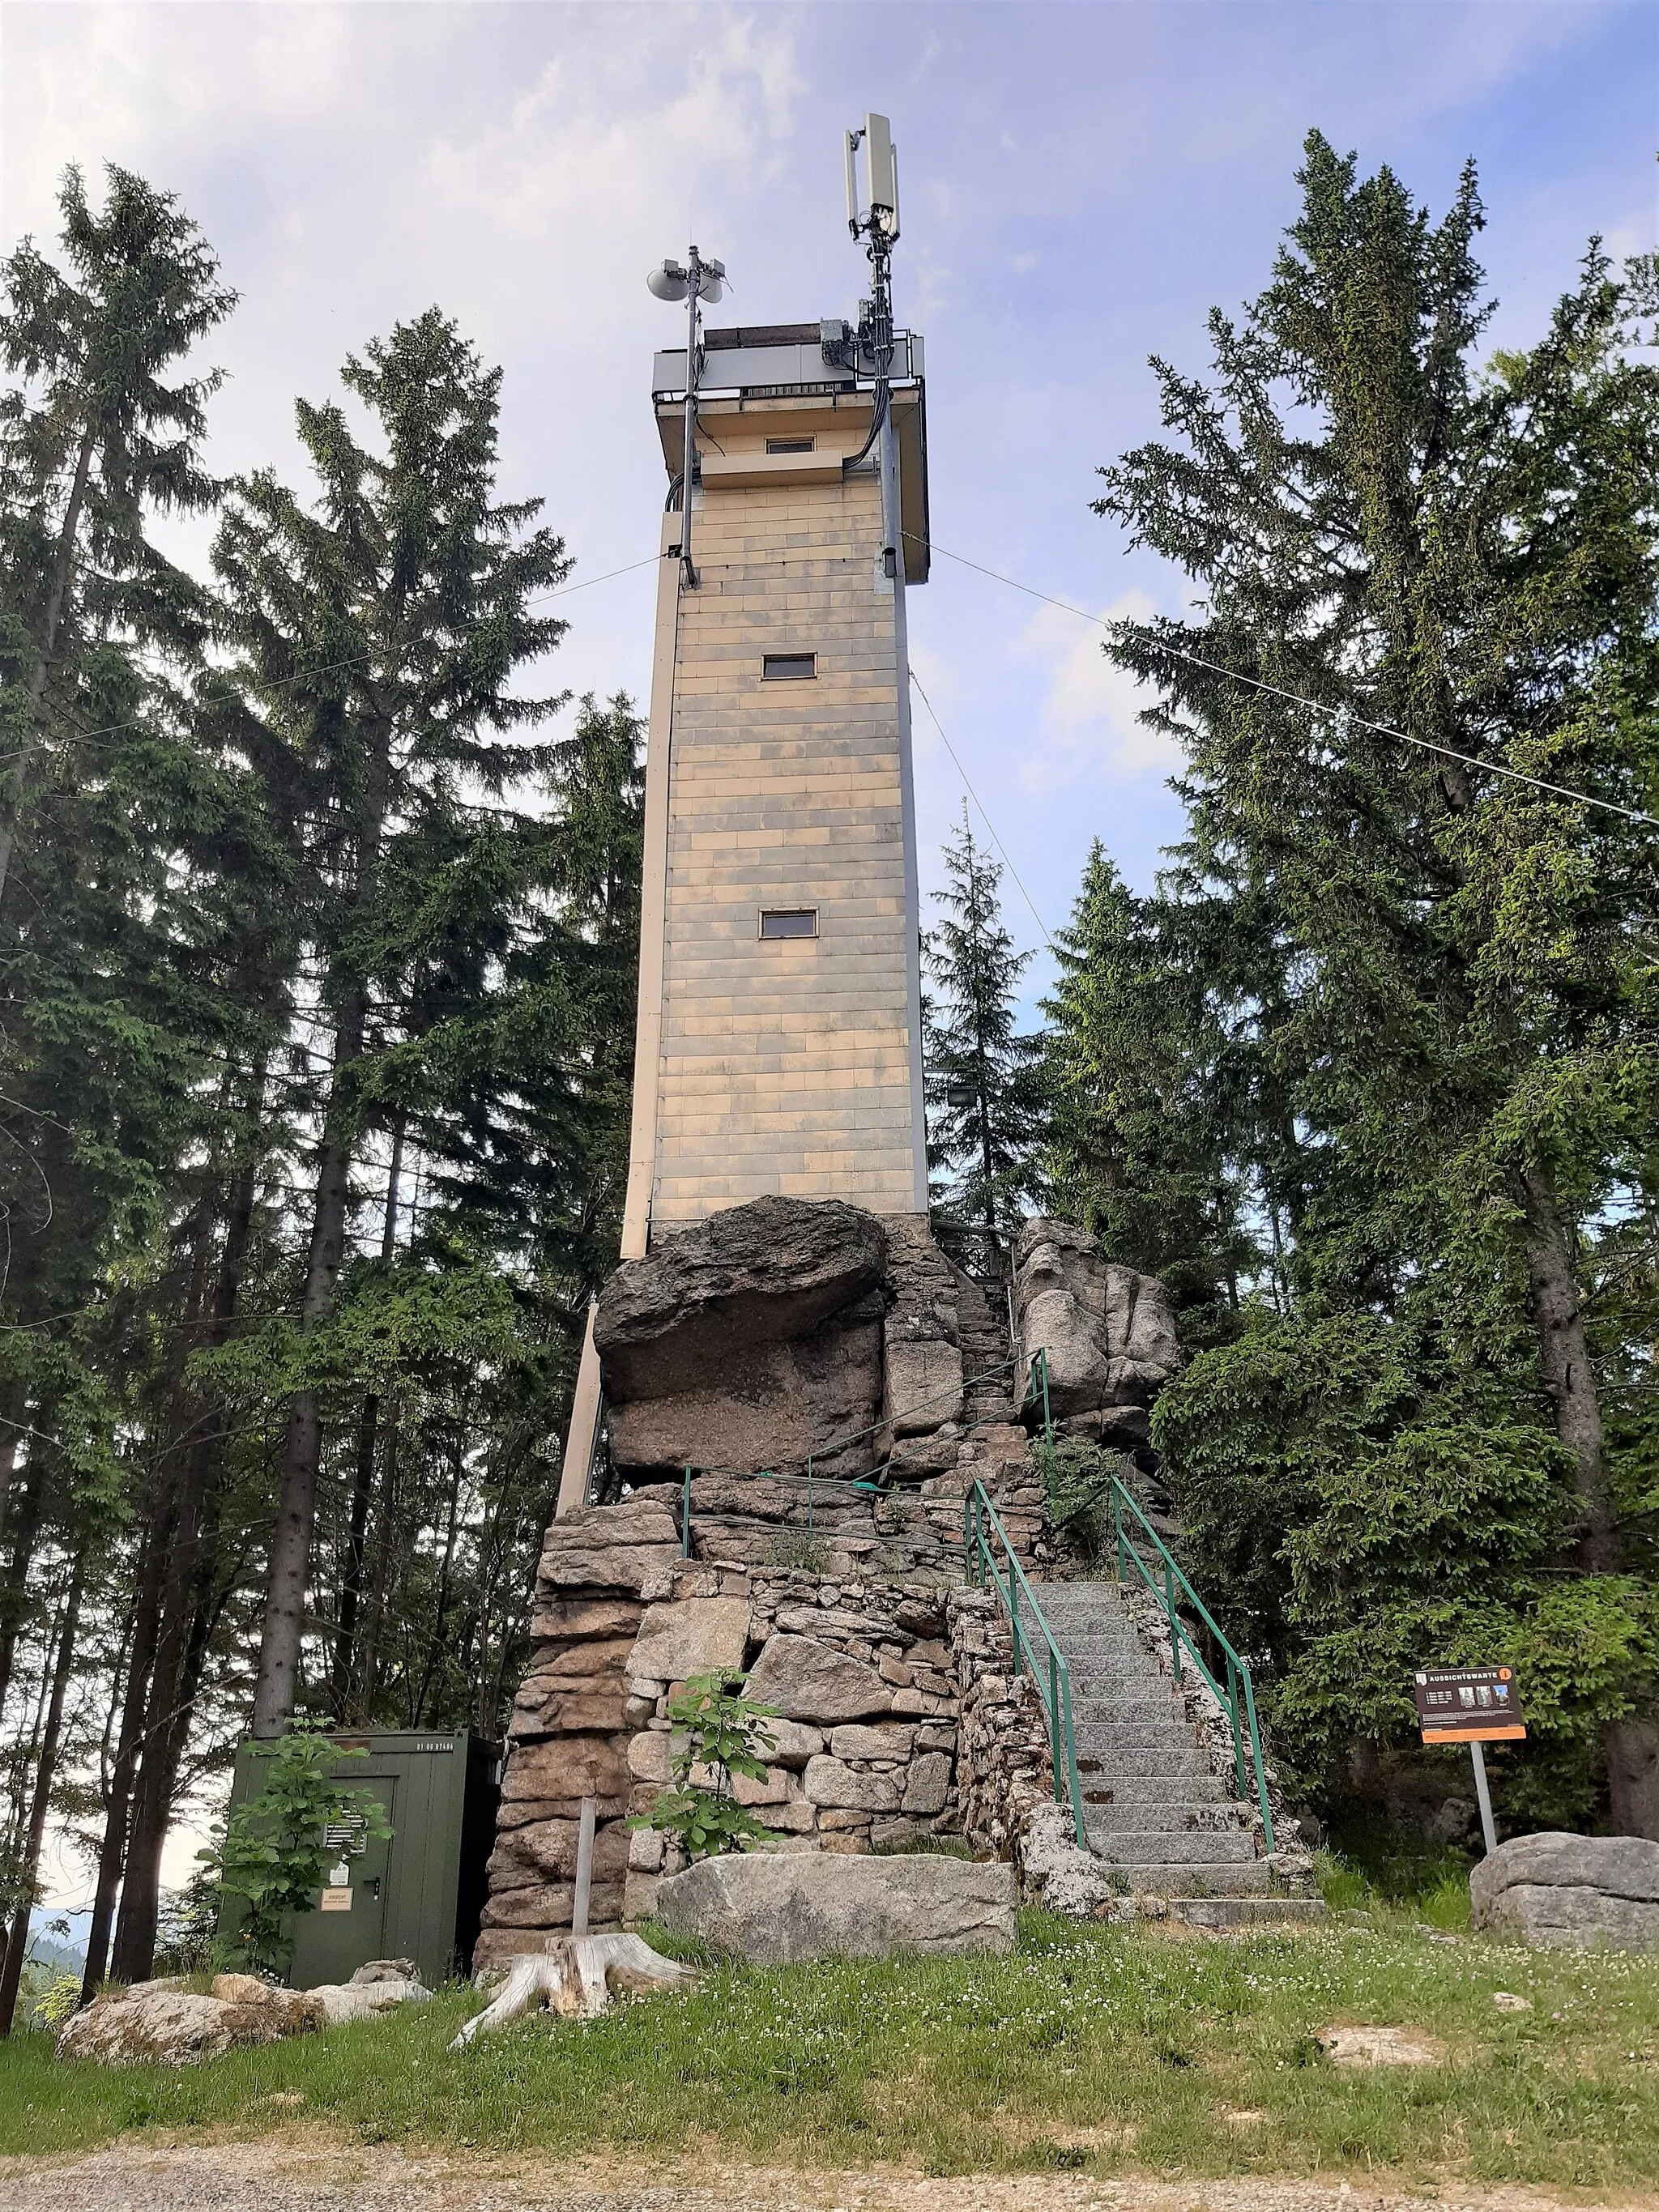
column 877, row 224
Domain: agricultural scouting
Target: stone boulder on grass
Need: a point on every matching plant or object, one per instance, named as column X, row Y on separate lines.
column 776, row 1909
column 1559, row 1892
column 166, row 2024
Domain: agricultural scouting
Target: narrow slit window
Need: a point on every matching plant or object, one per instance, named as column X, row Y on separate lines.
column 792, row 445
column 788, row 667
column 789, row 922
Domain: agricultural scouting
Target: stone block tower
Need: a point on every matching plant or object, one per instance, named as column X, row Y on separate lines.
column 779, row 1039
column 778, row 1047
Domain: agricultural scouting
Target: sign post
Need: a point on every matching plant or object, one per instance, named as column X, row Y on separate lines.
column 1472, row 1706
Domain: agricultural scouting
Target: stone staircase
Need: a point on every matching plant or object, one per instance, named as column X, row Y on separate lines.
column 1154, row 1809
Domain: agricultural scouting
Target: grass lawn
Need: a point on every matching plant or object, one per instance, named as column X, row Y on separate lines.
column 1088, row 2047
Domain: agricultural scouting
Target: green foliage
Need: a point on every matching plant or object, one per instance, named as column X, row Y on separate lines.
column 720, row 1735
column 273, row 1852
column 1363, row 1503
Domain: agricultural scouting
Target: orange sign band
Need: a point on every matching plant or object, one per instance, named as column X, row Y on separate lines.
column 1499, row 1735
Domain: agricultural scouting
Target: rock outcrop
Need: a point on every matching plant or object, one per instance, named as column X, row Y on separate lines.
column 776, row 1912
column 166, row 2024
column 1571, row 1893
column 1108, row 1333
column 751, row 1340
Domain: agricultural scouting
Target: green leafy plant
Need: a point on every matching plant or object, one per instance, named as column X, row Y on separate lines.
column 60, row 1998
column 273, row 1853
column 721, row 1736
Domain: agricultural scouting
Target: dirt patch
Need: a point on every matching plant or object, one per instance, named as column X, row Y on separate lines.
column 272, row 2177
column 1379, row 2046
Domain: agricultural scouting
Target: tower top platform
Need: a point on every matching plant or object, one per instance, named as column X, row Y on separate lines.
column 812, row 373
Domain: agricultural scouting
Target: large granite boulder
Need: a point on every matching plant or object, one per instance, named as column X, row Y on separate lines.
column 750, row 1340
column 1571, row 1893
column 776, row 1909
column 1109, row 1332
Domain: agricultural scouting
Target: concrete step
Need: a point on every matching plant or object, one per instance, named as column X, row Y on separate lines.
column 1107, row 1736
column 1166, row 1762
column 1180, row 1815
column 1209, row 1878
column 1158, row 1847
column 1145, row 1793
column 1103, row 1702
column 1244, row 1913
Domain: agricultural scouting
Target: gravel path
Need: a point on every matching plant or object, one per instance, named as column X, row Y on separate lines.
column 272, row 2177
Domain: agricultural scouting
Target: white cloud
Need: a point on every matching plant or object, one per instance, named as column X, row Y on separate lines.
column 1089, row 723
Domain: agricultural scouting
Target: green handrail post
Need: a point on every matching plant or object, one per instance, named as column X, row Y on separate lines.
column 1232, row 1701
column 1260, row 1771
column 1053, row 1707
column 685, row 1518
column 1175, row 1625
column 1117, row 1527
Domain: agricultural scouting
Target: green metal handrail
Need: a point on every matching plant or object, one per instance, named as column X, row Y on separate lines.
column 979, row 1520
column 1238, row 1671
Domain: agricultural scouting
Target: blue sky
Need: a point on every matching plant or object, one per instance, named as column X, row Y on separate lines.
column 1081, row 183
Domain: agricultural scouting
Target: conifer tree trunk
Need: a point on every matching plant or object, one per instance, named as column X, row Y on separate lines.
column 363, row 1482
column 46, row 1774
column 366, row 1657
column 1563, row 1356
column 147, row 1614
column 276, row 1687
column 189, row 1556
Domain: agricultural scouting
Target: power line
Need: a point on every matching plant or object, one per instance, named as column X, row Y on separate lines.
column 357, row 661
column 1297, row 698
column 980, row 802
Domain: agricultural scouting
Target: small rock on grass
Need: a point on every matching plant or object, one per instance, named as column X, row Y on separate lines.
column 1506, row 2000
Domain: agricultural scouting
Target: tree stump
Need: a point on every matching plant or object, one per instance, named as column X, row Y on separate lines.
column 578, row 1976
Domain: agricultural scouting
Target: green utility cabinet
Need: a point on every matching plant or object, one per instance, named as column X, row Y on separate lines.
column 415, row 1894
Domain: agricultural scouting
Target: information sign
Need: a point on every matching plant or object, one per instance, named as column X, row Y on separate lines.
column 1468, row 1704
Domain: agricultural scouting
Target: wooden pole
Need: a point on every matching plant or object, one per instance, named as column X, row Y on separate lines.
column 584, row 1868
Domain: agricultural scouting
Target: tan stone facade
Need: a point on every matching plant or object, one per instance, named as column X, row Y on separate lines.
column 786, row 1065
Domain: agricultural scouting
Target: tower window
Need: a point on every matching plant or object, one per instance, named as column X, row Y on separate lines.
column 788, row 667
column 789, row 922
column 792, row 445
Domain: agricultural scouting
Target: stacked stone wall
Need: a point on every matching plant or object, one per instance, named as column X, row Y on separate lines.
column 837, row 1601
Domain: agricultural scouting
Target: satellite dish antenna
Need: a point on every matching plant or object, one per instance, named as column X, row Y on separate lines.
column 698, row 280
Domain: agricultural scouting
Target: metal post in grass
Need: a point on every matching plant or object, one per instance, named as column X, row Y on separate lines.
column 584, row 1869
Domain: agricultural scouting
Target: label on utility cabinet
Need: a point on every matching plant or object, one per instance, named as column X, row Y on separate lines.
column 1468, row 1704
column 337, row 1900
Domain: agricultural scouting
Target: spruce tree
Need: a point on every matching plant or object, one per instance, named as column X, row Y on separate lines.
column 378, row 631
column 983, row 1079
column 1437, row 964
column 1143, row 1089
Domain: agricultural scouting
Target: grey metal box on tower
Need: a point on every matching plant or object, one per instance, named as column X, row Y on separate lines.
column 415, row 1894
